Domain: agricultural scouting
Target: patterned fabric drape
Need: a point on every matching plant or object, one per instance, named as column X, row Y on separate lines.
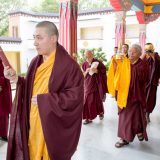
column 68, row 25
column 142, row 40
column 119, row 34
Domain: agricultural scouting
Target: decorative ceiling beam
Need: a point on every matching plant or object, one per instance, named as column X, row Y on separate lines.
column 145, row 13
column 149, row 2
column 138, row 5
column 144, row 18
column 152, row 8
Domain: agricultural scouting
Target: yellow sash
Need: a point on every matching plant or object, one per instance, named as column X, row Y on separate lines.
column 37, row 145
column 119, row 80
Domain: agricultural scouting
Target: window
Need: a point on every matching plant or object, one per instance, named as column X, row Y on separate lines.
column 15, row 31
column 93, row 33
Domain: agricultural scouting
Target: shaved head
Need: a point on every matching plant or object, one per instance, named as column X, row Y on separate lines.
column 89, row 56
column 89, row 52
column 135, row 52
column 45, row 38
column 50, row 28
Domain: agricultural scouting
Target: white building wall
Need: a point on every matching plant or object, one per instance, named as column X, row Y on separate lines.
column 105, row 25
column 108, row 44
column 10, row 47
column 153, row 34
column 90, row 23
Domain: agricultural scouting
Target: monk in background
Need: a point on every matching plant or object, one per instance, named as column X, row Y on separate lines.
column 118, row 78
column 5, row 104
column 153, row 60
column 115, row 50
column 95, row 87
column 132, row 120
column 47, row 114
column 125, row 48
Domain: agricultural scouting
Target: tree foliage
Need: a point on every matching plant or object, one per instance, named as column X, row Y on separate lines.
column 6, row 6
column 52, row 6
column 98, row 54
column 48, row 6
column 93, row 4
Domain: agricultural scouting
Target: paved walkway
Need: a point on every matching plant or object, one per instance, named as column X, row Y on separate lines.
column 98, row 139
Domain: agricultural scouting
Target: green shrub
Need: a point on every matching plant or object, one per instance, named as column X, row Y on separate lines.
column 98, row 54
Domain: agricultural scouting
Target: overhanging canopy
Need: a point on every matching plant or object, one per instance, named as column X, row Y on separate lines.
column 146, row 10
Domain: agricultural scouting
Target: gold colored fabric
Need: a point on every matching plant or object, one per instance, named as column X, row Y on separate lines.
column 37, row 145
column 119, row 75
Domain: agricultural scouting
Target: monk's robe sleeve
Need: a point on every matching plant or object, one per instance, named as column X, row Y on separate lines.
column 159, row 68
column 61, row 114
column 124, row 83
column 101, row 81
column 143, row 73
column 84, row 67
column 110, row 79
column 2, row 79
column 15, row 143
column 7, row 96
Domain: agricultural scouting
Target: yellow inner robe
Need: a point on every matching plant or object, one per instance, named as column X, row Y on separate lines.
column 119, row 80
column 37, row 145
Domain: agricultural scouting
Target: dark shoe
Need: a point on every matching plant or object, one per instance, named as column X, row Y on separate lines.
column 87, row 121
column 4, row 139
column 121, row 143
column 140, row 137
column 101, row 116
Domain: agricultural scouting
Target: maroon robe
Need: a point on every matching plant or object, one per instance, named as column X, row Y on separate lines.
column 60, row 109
column 132, row 118
column 151, row 88
column 5, row 102
column 95, row 88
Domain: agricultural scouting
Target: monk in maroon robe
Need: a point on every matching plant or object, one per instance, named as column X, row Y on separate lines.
column 60, row 109
column 95, row 88
column 153, row 60
column 132, row 119
column 5, row 103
